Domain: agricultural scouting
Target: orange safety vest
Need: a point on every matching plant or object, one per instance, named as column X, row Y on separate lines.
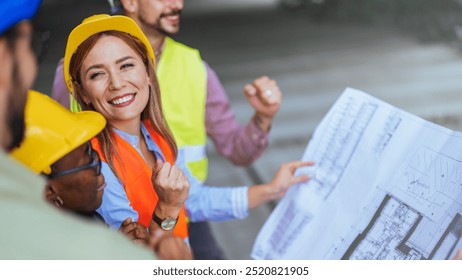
column 136, row 178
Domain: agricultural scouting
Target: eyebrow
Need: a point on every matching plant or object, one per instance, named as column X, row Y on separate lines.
column 123, row 59
column 101, row 65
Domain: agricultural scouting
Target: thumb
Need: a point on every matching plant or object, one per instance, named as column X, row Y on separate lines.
column 127, row 221
column 158, row 166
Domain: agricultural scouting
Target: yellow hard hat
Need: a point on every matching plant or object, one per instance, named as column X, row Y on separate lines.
column 96, row 24
column 52, row 132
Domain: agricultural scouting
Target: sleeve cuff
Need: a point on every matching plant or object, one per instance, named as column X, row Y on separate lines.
column 240, row 202
column 258, row 136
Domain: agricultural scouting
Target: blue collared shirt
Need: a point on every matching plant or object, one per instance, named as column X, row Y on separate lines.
column 204, row 203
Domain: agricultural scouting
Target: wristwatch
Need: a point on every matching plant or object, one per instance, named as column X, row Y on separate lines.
column 166, row 224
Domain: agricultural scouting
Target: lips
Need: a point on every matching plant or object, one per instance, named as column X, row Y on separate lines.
column 101, row 187
column 122, row 100
column 173, row 17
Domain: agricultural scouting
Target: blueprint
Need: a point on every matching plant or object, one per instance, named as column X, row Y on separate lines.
column 386, row 185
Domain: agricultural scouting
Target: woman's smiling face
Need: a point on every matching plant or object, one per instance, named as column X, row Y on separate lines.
column 115, row 81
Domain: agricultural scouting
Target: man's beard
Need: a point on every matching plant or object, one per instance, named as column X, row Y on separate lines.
column 15, row 110
column 158, row 25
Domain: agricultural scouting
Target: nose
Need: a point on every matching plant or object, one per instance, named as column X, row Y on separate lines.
column 176, row 4
column 116, row 81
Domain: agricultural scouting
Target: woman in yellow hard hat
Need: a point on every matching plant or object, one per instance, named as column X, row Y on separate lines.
column 111, row 42
column 108, row 67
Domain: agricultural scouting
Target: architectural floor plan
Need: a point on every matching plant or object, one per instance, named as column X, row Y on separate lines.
column 386, row 185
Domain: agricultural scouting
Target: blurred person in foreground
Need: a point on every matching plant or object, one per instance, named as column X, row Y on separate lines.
column 36, row 230
column 57, row 146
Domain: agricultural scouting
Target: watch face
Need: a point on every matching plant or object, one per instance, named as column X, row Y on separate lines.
column 168, row 223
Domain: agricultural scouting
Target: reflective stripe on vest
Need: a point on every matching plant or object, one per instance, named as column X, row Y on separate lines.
column 183, row 85
column 196, row 159
column 135, row 175
column 193, row 153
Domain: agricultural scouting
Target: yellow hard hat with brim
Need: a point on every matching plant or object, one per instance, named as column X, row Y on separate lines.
column 52, row 132
column 96, row 24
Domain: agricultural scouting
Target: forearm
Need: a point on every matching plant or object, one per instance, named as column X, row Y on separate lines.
column 264, row 123
column 242, row 145
column 217, row 203
column 208, row 203
column 116, row 206
column 260, row 194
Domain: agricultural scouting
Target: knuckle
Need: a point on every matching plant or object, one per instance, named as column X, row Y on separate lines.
column 164, row 183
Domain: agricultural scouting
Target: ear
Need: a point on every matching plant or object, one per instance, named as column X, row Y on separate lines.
column 5, row 58
column 79, row 91
column 129, row 6
column 4, row 46
column 86, row 99
column 50, row 192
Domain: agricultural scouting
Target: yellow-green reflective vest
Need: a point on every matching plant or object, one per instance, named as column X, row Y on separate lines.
column 183, row 86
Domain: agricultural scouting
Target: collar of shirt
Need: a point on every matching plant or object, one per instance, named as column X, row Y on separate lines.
column 134, row 141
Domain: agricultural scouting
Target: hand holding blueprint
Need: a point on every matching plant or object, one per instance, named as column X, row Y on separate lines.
column 386, row 185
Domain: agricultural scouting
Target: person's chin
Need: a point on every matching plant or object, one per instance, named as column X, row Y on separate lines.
column 171, row 29
column 97, row 204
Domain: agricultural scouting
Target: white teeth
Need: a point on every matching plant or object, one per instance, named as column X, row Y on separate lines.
column 122, row 100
